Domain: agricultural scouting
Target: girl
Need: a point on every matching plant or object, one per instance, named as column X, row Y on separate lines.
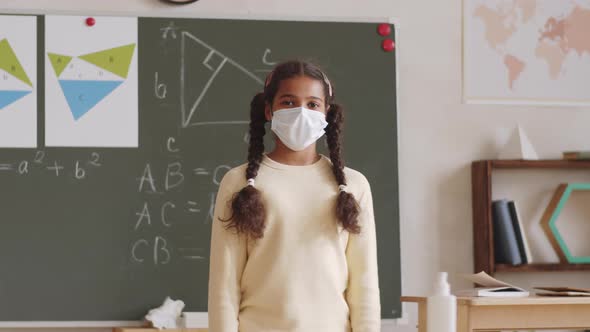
column 293, row 244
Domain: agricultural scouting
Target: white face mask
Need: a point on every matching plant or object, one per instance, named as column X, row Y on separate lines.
column 298, row 127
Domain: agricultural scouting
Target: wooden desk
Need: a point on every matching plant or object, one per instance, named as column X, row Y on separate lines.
column 534, row 312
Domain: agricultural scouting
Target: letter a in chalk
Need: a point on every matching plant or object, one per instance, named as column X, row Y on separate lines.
column 144, row 214
column 147, row 177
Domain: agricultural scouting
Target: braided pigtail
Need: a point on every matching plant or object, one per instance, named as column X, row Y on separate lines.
column 347, row 208
column 248, row 212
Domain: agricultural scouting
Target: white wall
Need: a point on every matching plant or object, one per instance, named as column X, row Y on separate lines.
column 439, row 136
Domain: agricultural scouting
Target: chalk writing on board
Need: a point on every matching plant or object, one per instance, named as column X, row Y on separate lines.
column 134, row 250
column 200, row 171
column 174, row 176
column 94, row 159
column 160, row 246
column 189, row 115
column 147, row 177
column 265, row 59
column 170, row 29
column 39, row 155
column 144, row 214
column 80, row 172
column 171, row 140
column 56, row 167
column 6, row 167
column 193, row 207
column 194, row 257
column 219, row 173
column 160, row 89
column 163, row 212
column 157, row 249
column 23, row 167
column 192, row 253
column 160, row 251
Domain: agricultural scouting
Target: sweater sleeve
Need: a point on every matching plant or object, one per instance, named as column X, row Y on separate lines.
column 227, row 260
column 362, row 294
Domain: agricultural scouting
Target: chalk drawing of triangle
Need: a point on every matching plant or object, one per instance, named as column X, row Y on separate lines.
column 206, row 73
column 82, row 95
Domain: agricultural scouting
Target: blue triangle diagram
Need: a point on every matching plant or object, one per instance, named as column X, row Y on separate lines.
column 82, row 96
column 8, row 97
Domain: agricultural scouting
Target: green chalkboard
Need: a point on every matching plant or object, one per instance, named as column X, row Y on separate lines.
column 84, row 248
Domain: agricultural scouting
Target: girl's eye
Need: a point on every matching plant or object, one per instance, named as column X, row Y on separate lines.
column 287, row 102
column 313, row 105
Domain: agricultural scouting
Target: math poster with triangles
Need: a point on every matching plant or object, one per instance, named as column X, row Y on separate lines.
column 91, row 96
column 18, row 81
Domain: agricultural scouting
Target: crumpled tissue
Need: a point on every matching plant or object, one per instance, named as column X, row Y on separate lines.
column 167, row 315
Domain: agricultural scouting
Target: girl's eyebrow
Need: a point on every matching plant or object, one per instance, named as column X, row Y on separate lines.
column 293, row 96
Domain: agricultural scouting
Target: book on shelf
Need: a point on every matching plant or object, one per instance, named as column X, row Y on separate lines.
column 491, row 287
column 561, row 291
column 519, row 232
column 506, row 249
column 576, row 155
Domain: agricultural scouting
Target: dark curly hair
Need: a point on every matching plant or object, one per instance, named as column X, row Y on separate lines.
column 248, row 212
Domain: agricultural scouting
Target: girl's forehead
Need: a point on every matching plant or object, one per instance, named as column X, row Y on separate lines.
column 303, row 85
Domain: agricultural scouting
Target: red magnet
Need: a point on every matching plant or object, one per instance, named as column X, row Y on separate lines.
column 90, row 21
column 388, row 45
column 384, row 29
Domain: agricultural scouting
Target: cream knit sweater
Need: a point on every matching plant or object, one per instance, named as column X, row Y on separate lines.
column 306, row 274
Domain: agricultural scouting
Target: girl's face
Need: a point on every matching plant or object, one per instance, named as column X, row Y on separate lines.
column 296, row 92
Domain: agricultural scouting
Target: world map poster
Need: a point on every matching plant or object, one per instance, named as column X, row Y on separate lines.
column 91, row 93
column 526, row 51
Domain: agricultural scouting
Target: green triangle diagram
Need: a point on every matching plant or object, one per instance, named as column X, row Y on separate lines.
column 10, row 63
column 59, row 62
column 116, row 60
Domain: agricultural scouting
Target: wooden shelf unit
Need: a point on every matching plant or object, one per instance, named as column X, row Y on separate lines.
column 483, row 236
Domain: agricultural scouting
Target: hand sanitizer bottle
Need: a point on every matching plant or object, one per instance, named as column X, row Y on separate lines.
column 441, row 307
